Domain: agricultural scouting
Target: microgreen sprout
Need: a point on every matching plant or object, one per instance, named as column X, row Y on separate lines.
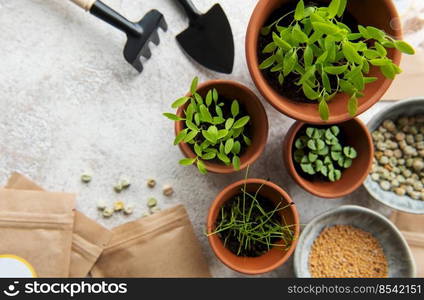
column 319, row 151
column 216, row 129
column 326, row 55
column 250, row 225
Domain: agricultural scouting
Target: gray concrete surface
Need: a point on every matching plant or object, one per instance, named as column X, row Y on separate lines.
column 69, row 104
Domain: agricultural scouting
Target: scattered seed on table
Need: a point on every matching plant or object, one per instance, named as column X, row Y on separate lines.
column 129, row 209
column 151, row 183
column 118, row 188
column 145, row 214
column 155, row 209
column 101, row 205
column 108, row 212
column 86, row 178
column 118, row 206
column 168, row 190
column 152, row 202
column 125, row 183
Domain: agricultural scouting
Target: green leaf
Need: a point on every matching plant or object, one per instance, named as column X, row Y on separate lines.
column 335, row 130
column 376, row 33
column 208, row 98
column 308, row 169
column 235, row 108
column 194, row 84
column 298, row 35
column 335, row 70
column 322, row 58
column 247, row 140
column 201, row 167
column 209, row 155
column 281, row 78
column 204, row 112
column 326, row 28
column 215, row 95
column 347, row 87
column 229, row 146
column 335, row 155
column 236, row 148
column 370, row 79
column 404, row 47
column 350, row 53
column 299, row 13
column 267, row 62
column 334, row 175
column 342, row 8
column 236, row 162
column 180, row 136
column 380, row 49
column 350, row 152
column 308, row 56
column 210, row 137
column 198, row 149
column 388, row 71
column 241, row 122
column 312, row 157
column 180, row 102
column 280, row 42
column 222, row 134
column 187, row 161
column 265, row 30
column 224, row 158
column 173, row 117
column 191, row 126
column 197, row 119
column 333, row 8
column 290, row 61
column 229, row 123
column 270, row 48
column 299, row 144
column 199, row 98
column 324, row 111
column 380, row 62
column 352, row 105
column 190, row 136
column 309, row 92
column 309, row 72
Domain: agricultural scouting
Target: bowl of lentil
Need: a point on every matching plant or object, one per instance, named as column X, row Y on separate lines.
column 397, row 175
column 352, row 241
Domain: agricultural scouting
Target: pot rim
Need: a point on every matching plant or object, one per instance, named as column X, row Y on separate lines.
column 288, row 154
column 276, row 100
column 215, row 240
column 261, row 140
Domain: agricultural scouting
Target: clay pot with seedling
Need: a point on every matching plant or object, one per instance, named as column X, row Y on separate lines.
column 329, row 161
column 220, row 126
column 324, row 63
column 253, row 226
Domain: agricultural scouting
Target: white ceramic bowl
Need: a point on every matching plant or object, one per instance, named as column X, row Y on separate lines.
column 409, row 107
column 396, row 250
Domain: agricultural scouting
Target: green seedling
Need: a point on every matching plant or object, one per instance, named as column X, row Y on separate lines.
column 320, row 152
column 212, row 134
column 327, row 56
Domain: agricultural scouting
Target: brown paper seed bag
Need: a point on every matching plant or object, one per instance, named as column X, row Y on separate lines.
column 412, row 228
column 160, row 245
column 37, row 226
column 88, row 239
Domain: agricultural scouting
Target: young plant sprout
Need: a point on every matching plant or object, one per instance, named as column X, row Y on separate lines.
column 320, row 152
column 215, row 128
column 250, row 225
column 326, row 55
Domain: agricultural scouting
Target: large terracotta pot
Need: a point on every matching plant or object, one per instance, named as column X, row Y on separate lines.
column 379, row 13
column 357, row 135
column 273, row 258
column 258, row 121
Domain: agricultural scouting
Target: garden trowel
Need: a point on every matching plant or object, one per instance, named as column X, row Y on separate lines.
column 139, row 34
column 208, row 38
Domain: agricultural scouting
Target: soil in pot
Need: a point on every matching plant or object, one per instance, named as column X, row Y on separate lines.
column 289, row 89
column 255, row 214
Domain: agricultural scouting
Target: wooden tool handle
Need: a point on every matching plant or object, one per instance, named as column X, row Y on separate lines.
column 84, row 4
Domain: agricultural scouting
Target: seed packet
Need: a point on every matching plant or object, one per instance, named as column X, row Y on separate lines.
column 36, row 226
column 412, row 228
column 88, row 239
column 160, row 245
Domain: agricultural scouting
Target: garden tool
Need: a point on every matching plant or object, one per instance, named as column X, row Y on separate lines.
column 139, row 34
column 208, row 38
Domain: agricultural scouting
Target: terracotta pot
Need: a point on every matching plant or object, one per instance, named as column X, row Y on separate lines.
column 258, row 123
column 273, row 258
column 379, row 13
column 356, row 134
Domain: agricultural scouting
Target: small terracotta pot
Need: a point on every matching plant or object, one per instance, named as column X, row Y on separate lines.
column 356, row 135
column 273, row 258
column 258, row 122
column 379, row 13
